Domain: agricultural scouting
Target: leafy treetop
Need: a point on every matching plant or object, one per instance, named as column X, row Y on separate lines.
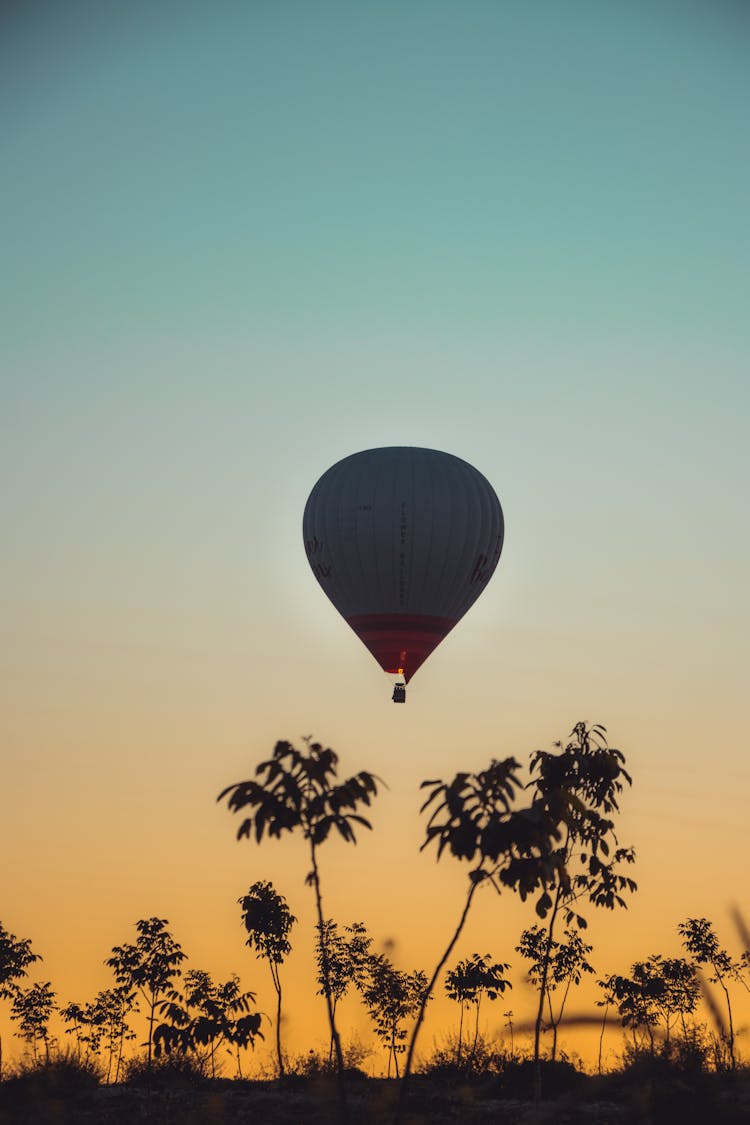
column 296, row 789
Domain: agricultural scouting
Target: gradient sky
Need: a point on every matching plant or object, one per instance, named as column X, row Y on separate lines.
column 241, row 241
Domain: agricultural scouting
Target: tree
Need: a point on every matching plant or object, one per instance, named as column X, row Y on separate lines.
column 637, row 998
column 555, row 965
column 586, row 777
column 149, row 967
column 467, row 983
column 702, row 943
column 31, row 1009
column 679, row 993
column 103, row 1021
column 607, row 985
column 268, row 921
column 297, row 790
column 15, row 958
column 79, row 1019
column 474, row 818
column 205, row 1015
column 658, row 989
column 109, row 1026
column 391, row 997
column 346, row 956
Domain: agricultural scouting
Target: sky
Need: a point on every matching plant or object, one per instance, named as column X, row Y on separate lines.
column 242, row 241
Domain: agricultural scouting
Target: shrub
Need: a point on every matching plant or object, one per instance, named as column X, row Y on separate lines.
column 176, row 1070
column 517, row 1079
column 316, row 1063
column 66, row 1077
column 479, row 1060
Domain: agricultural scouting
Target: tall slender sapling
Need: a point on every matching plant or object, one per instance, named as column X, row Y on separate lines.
column 297, row 790
column 268, row 922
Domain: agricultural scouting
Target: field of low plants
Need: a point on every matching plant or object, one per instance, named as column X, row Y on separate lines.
column 551, row 839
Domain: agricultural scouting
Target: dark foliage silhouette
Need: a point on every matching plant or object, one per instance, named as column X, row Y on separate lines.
column 15, row 958
column 346, row 954
column 659, row 992
column 474, row 818
column 31, row 1009
column 268, row 922
column 467, row 983
column 297, row 790
column 101, row 1023
column 203, row 1016
column 108, row 1027
column 149, row 967
column 392, row 997
column 701, row 942
column 583, row 778
column 558, row 964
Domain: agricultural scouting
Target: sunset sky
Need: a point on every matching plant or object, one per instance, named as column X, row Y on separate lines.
column 241, row 241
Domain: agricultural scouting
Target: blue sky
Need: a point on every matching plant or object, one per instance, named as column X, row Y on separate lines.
column 241, row 241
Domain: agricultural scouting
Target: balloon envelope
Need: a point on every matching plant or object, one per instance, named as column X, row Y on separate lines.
column 402, row 540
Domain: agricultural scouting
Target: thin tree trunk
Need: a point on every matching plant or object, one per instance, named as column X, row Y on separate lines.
column 556, row 1023
column 731, row 1022
column 428, row 992
column 460, row 1034
column 543, row 988
column 545, row 974
column 119, row 1052
column 476, row 1034
column 552, row 1025
column 277, row 986
column 330, row 1044
column 152, row 1016
column 343, row 1110
column 601, row 1039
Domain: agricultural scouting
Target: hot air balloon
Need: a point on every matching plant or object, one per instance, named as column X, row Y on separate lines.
column 402, row 540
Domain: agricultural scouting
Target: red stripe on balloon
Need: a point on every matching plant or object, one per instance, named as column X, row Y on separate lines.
column 400, row 642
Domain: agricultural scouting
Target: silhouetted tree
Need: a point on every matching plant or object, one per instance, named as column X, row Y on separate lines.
column 702, row 943
column 509, row 1024
column 15, row 958
column 467, row 983
column 79, row 1019
column 474, row 818
column 680, row 993
column 268, row 921
column 658, row 989
column 554, row 965
column 585, row 777
column 148, row 967
column 109, row 1026
column 204, row 1015
column 637, row 998
column 392, row 997
column 607, row 1001
column 346, row 956
column 297, row 790
column 31, row 1009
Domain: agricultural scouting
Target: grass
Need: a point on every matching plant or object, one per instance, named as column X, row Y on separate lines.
column 69, row 1091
